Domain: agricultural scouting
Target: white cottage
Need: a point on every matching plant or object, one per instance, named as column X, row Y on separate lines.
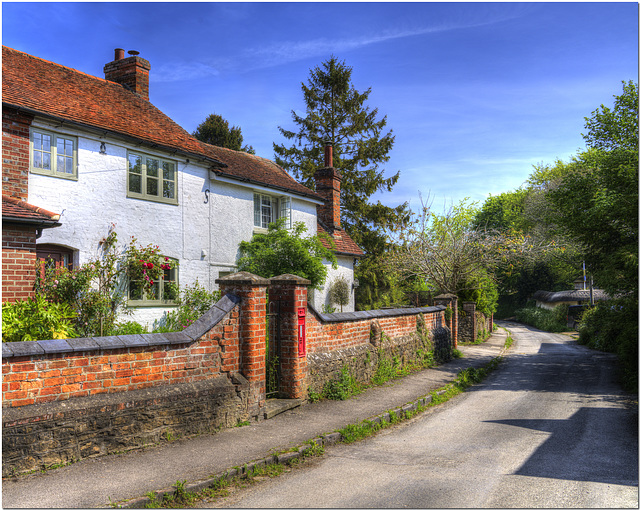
column 99, row 153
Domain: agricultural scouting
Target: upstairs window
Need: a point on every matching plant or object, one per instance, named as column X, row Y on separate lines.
column 267, row 209
column 152, row 178
column 53, row 154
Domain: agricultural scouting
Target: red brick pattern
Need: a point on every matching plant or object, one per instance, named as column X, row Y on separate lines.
column 293, row 367
column 15, row 153
column 39, row 379
column 340, row 335
column 18, row 262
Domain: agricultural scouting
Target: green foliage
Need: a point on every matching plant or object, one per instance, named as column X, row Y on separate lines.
column 193, row 302
column 342, row 387
column 481, row 289
column 95, row 290
column 129, row 328
column 339, row 292
column 215, row 130
column 612, row 326
column 553, row 321
column 282, row 251
column 504, row 212
column 36, row 319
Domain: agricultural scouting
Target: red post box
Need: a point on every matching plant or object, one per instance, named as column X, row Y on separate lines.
column 302, row 332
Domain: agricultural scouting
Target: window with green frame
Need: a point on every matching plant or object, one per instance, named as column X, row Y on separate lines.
column 162, row 292
column 53, row 154
column 152, row 178
column 267, row 209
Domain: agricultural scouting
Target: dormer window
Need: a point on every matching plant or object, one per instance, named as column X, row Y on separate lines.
column 267, row 209
column 152, row 178
column 53, row 154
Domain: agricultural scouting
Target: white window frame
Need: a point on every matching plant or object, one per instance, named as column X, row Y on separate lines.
column 279, row 207
column 53, row 154
column 146, row 299
column 145, row 178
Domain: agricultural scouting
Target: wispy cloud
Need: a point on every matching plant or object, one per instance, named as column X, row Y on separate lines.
column 284, row 52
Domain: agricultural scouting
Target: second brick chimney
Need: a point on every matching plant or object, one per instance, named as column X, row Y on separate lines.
column 328, row 181
column 132, row 72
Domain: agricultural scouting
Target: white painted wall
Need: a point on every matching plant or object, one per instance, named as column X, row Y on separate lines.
column 202, row 235
column 345, row 269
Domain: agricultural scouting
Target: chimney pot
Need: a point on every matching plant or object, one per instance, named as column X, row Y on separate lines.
column 133, row 53
column 328, row 155
column 119, row 54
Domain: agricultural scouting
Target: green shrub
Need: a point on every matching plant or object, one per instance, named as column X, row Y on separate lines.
column 193, row 302
column 129, row 328
column 553, row 321
column 612, row 326
column 37, row 319
column 342, row 387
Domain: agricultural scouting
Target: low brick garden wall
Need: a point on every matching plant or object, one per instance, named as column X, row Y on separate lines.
column 360, row 340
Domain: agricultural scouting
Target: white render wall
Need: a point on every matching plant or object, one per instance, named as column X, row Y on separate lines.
column 320, row 297
column 203, row 234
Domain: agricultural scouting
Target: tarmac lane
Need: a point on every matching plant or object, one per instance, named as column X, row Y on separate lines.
column 550, row 429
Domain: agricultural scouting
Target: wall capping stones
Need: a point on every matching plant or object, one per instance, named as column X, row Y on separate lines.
column 372, row 314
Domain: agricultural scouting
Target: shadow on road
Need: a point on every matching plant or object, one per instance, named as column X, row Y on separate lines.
column 584, row 447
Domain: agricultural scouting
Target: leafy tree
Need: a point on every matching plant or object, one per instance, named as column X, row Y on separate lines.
column 282, row 251
column 596, row 202
column 504, row 212
column 215, row 130
column 337, row 113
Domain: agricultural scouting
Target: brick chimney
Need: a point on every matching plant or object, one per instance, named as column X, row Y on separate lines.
column 328, row 187
column 131, row 72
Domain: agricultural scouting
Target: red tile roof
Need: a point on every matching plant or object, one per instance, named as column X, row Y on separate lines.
column 22, row 212
column 46, row 88
column 344, row 245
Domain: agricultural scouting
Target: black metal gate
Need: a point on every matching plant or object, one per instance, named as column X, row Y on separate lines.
column 274, row 354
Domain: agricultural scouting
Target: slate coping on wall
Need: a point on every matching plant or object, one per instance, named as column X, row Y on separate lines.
column 210, row 319
column 372, row 314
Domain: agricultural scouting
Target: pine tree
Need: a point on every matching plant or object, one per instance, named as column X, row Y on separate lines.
column 336, row 112
column 215, row 130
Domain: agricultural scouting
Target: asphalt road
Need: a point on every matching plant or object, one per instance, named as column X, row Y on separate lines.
column 550, row 428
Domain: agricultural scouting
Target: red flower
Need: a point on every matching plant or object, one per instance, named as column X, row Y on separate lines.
column 150, row 265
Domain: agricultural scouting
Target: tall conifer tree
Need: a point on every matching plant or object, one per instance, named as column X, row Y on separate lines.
column 336, row 112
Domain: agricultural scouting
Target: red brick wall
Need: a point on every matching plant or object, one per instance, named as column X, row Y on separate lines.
column 15, row 153
column 18, row 262
column 340, row 335
column 38, row 379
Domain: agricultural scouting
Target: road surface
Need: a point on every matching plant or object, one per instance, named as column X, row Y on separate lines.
column 550, row 428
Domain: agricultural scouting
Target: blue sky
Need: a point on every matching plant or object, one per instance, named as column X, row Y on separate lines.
column 476, row 93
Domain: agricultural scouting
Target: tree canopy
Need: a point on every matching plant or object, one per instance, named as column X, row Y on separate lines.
column 282, row 251
column 215, row 130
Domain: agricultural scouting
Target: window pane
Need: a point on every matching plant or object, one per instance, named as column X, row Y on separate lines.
column 256, row 210
column 168, row 189
column 37, row 159
column 46, row 143
column 69, row 167
column 60, row 164
column 152, row 167
column 135, row 290
column 154, row 292
column 152, row 186
column 37, row 141
column 135, row 164
column 168, row 171
column 46, row 160
column 135, row 183
column 67, row 147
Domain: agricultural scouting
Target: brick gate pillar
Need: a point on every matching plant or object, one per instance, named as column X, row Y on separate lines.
column 450, row 301
column 291, row 291
column 252, row 291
